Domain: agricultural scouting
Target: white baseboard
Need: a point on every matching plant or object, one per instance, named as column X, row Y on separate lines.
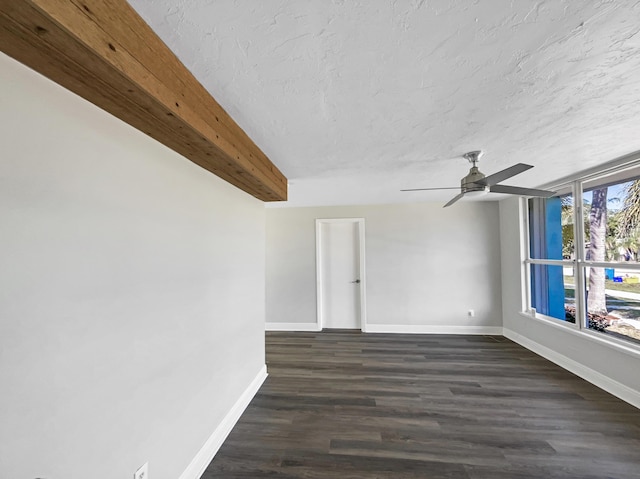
column 291, row 327
column 206, row 454
column 432, row 329
column 594, row 377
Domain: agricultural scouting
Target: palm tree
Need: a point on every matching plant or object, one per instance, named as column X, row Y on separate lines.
column 596, row 301
column 630, row 214
column 613, row 243
column 631, row 243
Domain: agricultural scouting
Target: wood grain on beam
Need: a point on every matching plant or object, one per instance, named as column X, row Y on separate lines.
column 103, row 51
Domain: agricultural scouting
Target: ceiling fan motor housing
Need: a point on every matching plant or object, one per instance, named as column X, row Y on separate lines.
column 468, row 183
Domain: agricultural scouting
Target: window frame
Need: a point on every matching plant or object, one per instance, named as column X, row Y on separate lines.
column 574, row 185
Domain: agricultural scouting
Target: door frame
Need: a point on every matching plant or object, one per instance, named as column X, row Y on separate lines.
column 361, row 262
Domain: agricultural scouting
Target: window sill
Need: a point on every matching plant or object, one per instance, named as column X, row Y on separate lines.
column 593, row 336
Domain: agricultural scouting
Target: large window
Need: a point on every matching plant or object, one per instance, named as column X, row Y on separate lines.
column 583, row 265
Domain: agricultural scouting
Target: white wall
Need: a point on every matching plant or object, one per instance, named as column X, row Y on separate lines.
column 612, row 368
column 131, row 292
column 425, row 266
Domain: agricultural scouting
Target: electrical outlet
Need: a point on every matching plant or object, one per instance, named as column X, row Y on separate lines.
column 143, row 472
column 471, row 313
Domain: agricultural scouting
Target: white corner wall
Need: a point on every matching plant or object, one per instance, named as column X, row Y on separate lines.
column 131, row 292
column 425, row 266
column 612, row 368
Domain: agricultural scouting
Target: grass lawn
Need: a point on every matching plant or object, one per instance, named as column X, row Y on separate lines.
column 629, row 287
column 625, row 308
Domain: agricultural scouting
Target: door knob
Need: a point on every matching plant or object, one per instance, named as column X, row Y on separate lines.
column 356, row 281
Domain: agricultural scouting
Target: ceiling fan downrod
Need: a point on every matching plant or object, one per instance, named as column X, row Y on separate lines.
column 473, row 157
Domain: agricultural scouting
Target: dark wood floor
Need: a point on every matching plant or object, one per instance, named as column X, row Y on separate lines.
column 348, row 405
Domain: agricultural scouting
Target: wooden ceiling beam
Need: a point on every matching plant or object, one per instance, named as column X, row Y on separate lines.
column 103, row 51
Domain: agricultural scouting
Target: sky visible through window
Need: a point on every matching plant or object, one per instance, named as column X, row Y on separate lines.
column 615, row 196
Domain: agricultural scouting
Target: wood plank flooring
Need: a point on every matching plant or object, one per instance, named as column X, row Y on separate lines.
column 347, row 405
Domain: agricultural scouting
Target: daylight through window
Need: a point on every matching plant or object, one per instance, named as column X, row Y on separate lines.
column 584, row 246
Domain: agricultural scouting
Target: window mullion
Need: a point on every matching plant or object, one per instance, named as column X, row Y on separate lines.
column 551, row 262
column 579, row 271
column 611, row 264
column 525, row 252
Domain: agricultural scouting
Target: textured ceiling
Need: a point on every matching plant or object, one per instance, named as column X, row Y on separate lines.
column 354, row 100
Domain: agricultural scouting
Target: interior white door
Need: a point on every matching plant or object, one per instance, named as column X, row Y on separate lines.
column 340, row 274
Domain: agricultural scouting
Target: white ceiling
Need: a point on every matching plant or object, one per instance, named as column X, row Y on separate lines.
column 355, row 100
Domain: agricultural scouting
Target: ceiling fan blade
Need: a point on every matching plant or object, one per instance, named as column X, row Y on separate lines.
column 431, row 189
column 454, row 199
column 515, row 190
column 503, row 175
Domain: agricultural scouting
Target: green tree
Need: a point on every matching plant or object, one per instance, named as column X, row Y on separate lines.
column 631, row 242
column 612, row 242
column 568, row 240
column 630, row 213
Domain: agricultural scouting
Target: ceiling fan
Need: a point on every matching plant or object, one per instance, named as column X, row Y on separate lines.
column 476, row 183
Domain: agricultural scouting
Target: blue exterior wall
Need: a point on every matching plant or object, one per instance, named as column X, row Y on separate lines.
column 553, row 240
column 547, row 282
